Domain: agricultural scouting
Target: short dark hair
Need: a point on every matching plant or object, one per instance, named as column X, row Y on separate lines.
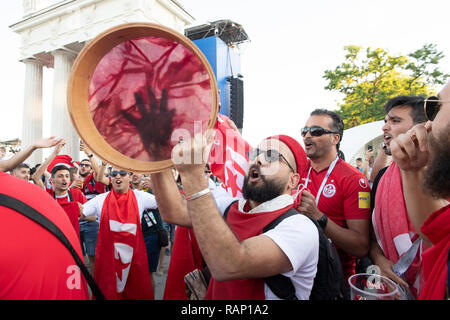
column 57, row 168
column 22, row 165
column 415, row 102
column 359, row 159
column 337, row 125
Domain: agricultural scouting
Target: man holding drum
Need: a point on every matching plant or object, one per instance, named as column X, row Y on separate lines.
column 237, row 251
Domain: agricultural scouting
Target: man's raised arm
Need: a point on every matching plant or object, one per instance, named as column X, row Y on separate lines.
column 11, row 163
column 36, row 177
column 171, row 203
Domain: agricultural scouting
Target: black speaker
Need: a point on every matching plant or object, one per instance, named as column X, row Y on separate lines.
column 237, row 101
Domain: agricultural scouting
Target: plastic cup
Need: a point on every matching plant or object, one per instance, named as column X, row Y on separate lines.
column 365, row 286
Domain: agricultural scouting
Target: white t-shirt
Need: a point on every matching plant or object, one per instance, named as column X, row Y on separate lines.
column 145, row 201
column 297, row 237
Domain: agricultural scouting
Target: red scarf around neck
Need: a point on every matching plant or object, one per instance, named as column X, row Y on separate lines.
column 121, row 268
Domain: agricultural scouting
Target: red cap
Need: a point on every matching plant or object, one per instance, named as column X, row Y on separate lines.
column 301, row 160
column 63, row 160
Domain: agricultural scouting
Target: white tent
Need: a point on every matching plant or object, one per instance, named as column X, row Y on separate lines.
column 356, row 140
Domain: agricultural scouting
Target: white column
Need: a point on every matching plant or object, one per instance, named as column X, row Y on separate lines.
column 61, row 123
column 32, row 110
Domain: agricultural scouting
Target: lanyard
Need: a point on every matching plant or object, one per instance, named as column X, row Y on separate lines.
column 324, row 181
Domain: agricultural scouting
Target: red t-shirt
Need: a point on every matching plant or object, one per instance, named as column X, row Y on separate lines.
column 34, row 264
column 76, row 193
column 70, row 206
column 345, row 196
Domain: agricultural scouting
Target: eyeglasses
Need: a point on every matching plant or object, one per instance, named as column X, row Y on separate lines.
column 432, row 106
column 122, row 173
column 269, row 155
column 84, row 165
column 316, row 131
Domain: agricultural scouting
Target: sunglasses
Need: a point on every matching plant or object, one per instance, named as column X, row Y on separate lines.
column 270, row 155
column 85, row 165
column 316, row 131
column 432, row 106
column 122, row 173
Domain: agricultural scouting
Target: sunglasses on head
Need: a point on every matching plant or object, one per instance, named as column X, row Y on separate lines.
column 122, row 173
column 316, row 131
column 270, row 155
column 432, row 106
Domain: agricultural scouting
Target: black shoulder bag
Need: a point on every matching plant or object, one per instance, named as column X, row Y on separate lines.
column 34, row 215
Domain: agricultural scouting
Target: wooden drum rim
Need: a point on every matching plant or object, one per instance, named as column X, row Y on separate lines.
column 80, row 78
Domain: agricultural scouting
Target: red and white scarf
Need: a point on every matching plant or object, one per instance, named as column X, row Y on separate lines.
column 121, row 268
column 393, row 229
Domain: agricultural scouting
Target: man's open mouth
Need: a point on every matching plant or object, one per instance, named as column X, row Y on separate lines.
column 254, row 174
column 308, row 144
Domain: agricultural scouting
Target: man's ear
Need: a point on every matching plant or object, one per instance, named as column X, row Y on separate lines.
column 336, row 138
column 294, row 180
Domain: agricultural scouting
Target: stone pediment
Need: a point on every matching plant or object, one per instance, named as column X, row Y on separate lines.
column 70, row 24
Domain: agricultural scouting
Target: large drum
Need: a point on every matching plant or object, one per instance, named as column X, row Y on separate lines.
column 136, row 90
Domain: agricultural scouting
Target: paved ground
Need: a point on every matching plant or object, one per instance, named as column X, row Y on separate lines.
column 160, row 281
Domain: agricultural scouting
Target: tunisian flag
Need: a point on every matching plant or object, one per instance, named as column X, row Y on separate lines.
column 229, row 157
column 121, row 268
column 228, row 161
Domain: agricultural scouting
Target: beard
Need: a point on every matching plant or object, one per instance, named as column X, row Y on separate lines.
column 436, row 179
column 262, row 192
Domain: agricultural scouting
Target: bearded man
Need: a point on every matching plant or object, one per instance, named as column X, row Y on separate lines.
column 238, row 252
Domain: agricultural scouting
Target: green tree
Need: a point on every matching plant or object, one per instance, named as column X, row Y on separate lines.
column 369, row 81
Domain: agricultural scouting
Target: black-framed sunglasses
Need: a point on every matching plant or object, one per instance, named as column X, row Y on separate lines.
column 316, row 131
column 431, row 106
column 122, row 173
column 270, row 155
column 85, row 165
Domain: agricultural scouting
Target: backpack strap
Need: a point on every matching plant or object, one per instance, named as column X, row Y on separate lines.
column 69, row 195
column 281, row 285
column 225, row 213
column 36, row 216
column 277, row 221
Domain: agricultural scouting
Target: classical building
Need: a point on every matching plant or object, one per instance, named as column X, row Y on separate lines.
column 53, row 32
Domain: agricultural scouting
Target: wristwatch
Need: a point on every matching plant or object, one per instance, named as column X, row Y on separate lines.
column 323, row 221
column 90, row 155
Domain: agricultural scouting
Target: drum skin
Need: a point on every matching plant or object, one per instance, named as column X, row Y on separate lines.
column 136, row 90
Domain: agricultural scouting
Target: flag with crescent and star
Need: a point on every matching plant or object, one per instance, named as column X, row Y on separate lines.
column 229, row 157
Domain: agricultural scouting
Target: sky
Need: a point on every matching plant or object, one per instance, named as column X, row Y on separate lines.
column 292, row 43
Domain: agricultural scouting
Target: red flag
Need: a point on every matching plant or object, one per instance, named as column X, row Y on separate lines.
column 121, row 267
column 229, row 157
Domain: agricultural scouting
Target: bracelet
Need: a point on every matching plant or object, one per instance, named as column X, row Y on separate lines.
column 90, row 155
column 198, row 194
